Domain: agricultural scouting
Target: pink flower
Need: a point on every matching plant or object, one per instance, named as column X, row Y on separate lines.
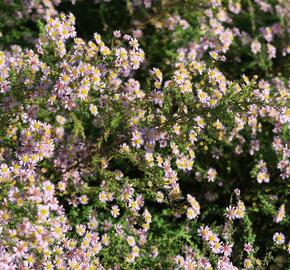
column 248, row 248
column 256, row 46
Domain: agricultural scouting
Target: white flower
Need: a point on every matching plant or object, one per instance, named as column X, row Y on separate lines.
column 256, row 46
column 279, row 238
column 93, row 109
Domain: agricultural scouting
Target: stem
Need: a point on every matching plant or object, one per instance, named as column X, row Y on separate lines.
column 252, row 16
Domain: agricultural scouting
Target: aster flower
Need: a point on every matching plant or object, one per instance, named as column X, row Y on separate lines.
column 230, row 212
column 93, row 109
column 280, row 214
column 248, row 263
column 279, row 238
column 115, row 211
column 256, row 46
column 84, row 199
column 248, row 248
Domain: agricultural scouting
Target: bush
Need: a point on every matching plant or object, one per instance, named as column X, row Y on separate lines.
column 162, row 145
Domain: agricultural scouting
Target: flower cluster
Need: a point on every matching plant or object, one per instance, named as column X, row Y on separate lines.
column 107, row 162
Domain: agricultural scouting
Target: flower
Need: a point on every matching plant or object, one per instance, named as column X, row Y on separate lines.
column 137, row 140
column 230, row 212
column 103, row 196
column 248, row 263
column 115, row 211
column 204, row 232
column 256, row 46
column 84, row 199
column 60, row 119
column 211, row 174
column 194, row 210
column 93, row 109
column 80, row 229
column 271, row 51
column 280, row 214
column 117, row 33
column 43, row 212
column 131, row 241
column 279, row 238
column 216, row 247
column 227, row 249
column 248, row 248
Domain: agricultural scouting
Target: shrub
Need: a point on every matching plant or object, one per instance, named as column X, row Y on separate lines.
column 109, row 161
